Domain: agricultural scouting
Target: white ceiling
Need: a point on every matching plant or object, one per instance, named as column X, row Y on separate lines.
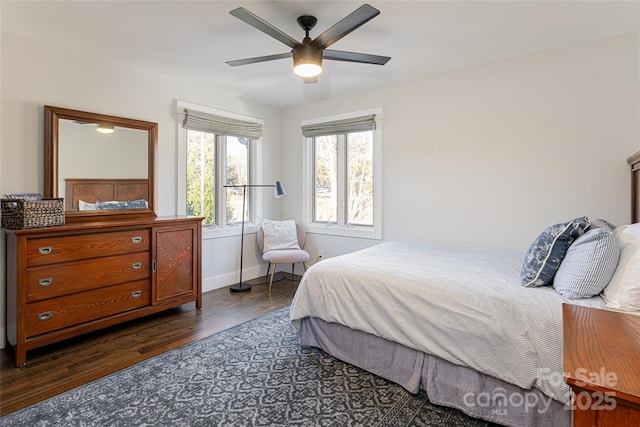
column 193, row 39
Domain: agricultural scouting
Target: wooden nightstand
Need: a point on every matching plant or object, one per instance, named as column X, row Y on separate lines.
column 602, row 366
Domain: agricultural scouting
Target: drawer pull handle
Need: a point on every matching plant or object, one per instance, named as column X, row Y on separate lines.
column 46, row 250
column 136, row 239
column 136, row 294
column 45, row 282
column 136, row 266
column 45, row 316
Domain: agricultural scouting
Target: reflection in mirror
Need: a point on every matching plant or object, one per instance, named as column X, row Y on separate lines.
column 84, row 152
column 103, row 166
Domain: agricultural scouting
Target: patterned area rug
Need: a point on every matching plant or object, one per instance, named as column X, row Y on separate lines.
column 255, row 374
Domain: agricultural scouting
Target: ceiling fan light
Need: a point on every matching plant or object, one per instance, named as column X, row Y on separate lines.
column 105, row 128
column 307, row 61
column 307, row 70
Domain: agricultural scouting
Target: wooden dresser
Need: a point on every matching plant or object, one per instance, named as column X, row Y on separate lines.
column 602, row 366
column 68, row 280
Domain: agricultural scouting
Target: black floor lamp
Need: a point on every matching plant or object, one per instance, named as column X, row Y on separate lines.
column 279, row 192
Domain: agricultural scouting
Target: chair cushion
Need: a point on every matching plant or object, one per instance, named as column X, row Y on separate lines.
column 284, row 256
column 280, row 235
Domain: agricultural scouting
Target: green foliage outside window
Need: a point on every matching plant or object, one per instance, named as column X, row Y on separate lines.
column 202, row 162
column 201, row 175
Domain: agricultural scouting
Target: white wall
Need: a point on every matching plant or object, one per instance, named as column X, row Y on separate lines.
column 492, row 155
column 35, row 74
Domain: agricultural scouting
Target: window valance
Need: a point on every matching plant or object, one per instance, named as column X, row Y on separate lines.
column 355, row 124
column 197, row 120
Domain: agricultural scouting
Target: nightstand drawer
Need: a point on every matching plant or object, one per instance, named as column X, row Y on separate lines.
column 51, row 250
column 56, row 313
column 71, row 277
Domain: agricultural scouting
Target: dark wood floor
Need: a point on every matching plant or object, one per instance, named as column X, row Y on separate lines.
column 60, row 367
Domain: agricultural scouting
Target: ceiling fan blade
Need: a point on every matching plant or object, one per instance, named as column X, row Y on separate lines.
column 354, row 20
column 255, row 21
column 257, row 59
column 339, row 55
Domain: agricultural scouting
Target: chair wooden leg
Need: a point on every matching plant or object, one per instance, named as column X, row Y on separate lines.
column 271, row 280
column 268, row 269
column 293, row 265
column 304, row 266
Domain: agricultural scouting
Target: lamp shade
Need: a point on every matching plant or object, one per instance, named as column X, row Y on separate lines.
column 279, row 189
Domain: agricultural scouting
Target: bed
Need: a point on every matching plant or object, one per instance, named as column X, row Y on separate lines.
column 455, row 322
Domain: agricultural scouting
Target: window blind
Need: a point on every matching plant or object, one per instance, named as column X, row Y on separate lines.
column 355, row 124
column 197, row 120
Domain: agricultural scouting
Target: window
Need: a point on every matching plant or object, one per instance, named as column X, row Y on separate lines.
column 203, row 151
column 343, row 186
column 216, row 151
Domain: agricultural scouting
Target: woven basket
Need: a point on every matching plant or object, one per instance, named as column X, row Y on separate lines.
column 21, row 213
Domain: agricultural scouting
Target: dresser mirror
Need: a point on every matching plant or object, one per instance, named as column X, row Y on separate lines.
column 103, row 166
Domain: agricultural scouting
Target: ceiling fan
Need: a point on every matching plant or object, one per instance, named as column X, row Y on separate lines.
column 308, row 54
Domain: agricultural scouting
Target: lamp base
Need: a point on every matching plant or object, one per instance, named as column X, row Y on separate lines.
column 240, row 287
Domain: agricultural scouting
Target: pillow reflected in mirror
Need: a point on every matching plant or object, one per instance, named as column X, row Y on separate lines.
column 86, row 206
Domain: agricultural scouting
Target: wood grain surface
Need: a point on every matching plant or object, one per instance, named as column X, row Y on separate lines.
column 602, row 351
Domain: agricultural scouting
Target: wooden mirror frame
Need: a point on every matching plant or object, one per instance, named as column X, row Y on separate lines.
column 52, row 115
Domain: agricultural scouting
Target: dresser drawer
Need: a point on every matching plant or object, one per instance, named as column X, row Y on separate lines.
column 51, row 250
column 56, row 313
column 77, row 276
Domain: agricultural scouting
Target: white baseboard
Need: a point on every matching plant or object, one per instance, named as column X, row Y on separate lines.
column 228, row 279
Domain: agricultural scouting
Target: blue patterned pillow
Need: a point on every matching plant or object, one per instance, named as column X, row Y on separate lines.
column 135, row 204
column 601, row 223
column 545, row 254
column 109, row 206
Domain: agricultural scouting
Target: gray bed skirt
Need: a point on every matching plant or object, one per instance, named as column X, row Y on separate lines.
column 475, row 394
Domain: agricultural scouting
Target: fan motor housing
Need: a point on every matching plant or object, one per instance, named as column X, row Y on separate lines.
column 307, row 53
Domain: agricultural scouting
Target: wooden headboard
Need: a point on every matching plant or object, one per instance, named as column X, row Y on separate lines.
column 634, row 162
column 104, row 190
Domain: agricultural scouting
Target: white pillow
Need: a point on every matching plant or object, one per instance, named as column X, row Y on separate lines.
column 84, row 206
column 280, row 235
column 623, row 291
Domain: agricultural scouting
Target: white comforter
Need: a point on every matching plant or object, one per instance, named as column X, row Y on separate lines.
column 464, row 305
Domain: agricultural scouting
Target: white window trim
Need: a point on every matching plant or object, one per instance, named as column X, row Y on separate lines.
column 255, row 173
column 374, row 232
